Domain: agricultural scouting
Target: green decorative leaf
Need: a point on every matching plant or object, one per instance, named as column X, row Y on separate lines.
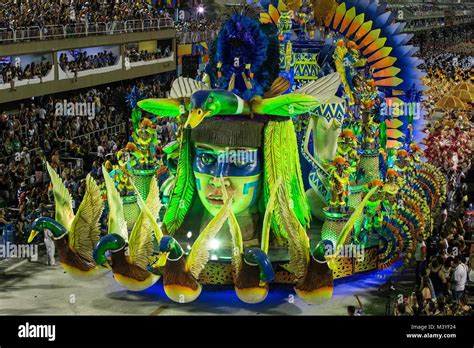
column 161, row 107
column 183, row 192
column 285, row 105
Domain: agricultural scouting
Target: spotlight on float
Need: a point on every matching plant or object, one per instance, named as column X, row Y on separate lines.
column 214, row 244
column 200, row 9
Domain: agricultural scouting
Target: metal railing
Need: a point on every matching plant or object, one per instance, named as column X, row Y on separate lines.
column 188, row 37
column 25, row 34
column 112, row 130
column 427, row 14
column 22, row 133
column 51, row 31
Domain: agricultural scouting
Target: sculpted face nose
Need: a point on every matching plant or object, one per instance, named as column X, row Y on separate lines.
column 216, row 182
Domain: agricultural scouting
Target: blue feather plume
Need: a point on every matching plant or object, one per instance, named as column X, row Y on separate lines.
column 134, row 97
column 242, row 41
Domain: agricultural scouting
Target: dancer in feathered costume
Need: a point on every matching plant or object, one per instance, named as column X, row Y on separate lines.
column 242, row 49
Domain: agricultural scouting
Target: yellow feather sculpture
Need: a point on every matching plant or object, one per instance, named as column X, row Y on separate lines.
column 85, row 230
column 64, row 213
column 116, row 223
column 236, row 235
column 199, row 255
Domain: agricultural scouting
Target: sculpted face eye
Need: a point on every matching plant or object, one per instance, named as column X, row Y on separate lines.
column 240, row 163
column 207, row 159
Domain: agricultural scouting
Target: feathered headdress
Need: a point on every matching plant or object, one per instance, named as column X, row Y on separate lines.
column 414, row 147
column 339, row 160
column 347, row 133
column 146, row 123
column 375, row 183
column 402, row 153
column 130, row 147
column 391, row 173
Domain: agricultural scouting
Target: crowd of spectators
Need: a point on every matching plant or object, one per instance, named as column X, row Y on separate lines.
column 37, row 131
column 416, row 305
column 10, row 73
column 449, row 131
column 444, row 263
column 443, row 268
column 84, row 61
column 16, row 14
column 193, row 25
column 426, row 23
column 46, row 16
column 155, row 88
column 138, row 56
column 423, row 9
column 197, row 30
column 454, row 63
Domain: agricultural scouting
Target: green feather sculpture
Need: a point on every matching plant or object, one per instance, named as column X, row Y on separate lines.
column 184, row 188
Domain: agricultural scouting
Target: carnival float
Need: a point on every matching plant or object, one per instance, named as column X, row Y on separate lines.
column 297, row 148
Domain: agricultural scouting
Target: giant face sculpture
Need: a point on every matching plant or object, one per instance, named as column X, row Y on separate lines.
column 239, row 167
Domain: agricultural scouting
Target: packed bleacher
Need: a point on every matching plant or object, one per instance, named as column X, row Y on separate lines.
column 22, row 21
column 38, row 131
column 190, row 31
column 10, row 72
column 85, row 61
column 35, row 20
column 456, row 65
column 444, row 262
column 143, row 55
column 426, row 9
column 16, row 14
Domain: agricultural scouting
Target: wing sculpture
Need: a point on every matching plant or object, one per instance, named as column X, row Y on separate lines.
column 84, row 233
column 64, row 214
column 322, row 89
column 117, row 223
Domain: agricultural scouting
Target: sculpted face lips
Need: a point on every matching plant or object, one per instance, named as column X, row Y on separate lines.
column 215, row 200
column 216, row 196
